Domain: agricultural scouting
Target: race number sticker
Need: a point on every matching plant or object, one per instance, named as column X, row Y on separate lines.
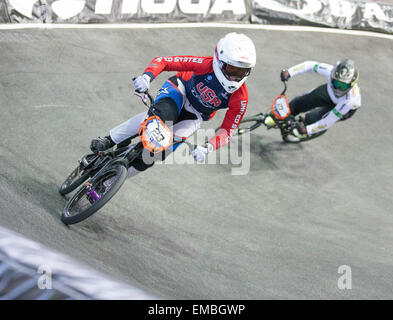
column 155, row 134
column 280, row 107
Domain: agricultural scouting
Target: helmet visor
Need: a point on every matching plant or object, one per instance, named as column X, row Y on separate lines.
column 341, row 85
column 233, row 73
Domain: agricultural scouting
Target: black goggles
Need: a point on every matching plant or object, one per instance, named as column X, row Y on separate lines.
column 233, row 73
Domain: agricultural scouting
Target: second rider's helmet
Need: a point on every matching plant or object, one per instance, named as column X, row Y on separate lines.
column 343, row 77
column 234, row 58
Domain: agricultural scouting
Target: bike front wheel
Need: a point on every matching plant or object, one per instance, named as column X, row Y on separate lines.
column 94, row 194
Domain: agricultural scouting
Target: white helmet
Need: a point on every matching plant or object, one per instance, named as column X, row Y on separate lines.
column 233, row 60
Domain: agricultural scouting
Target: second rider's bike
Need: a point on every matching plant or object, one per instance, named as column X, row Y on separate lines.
column 278, row 117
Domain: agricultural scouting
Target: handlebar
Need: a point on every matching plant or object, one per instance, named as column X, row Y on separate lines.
column 285, row 87
column 144, row 96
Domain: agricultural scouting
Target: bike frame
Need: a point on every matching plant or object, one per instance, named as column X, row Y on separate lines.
column 260, row 119
column 286, row 125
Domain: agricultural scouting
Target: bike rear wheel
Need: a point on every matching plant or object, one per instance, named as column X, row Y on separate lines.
column 78, row 176
column 94, row 194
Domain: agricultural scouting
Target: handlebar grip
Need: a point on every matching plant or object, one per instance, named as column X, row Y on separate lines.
column 146, row 93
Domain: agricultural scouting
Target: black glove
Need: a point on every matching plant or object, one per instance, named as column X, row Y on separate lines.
column 348, row 114
column 285, row 75
column 301, row 127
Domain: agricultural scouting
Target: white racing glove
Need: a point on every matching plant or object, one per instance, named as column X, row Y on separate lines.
column 142, row 83
column 200, row 152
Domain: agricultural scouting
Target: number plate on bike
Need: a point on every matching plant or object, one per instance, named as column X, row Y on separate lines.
column 155, row 134
column 280, row 107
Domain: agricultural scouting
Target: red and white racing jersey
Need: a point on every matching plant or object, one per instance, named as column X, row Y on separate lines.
column 204, row 91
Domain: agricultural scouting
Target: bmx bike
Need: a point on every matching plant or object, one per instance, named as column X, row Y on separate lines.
column 278, row 117
column 103, row 173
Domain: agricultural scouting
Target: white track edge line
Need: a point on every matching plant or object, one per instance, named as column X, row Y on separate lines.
column 194, row 25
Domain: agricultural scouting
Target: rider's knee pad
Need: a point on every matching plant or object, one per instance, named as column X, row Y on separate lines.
column 166, row 109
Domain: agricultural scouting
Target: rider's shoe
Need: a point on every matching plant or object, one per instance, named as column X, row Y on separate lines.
column 101, row 144
column 269, row 121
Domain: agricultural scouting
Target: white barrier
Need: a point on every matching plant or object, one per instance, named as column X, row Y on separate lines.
column 28, row 270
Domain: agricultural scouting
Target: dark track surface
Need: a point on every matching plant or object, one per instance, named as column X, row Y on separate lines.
column 193, row 231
